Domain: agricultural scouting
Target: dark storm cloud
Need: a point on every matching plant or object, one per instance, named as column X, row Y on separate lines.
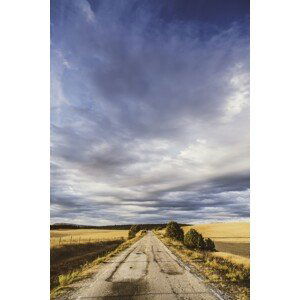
column 149, row 111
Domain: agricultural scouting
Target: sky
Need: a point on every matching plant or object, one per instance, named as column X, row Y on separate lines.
column 149, row 111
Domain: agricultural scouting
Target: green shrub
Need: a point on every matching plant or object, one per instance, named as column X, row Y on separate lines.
column 193, row 239
column 209, row 245
column 133, row 231
column 202, row 244
column 174, row 231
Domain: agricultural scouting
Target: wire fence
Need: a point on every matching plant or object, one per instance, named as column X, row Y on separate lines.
column 60, row 241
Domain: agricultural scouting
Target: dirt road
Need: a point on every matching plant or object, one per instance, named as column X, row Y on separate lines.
column 147, row 270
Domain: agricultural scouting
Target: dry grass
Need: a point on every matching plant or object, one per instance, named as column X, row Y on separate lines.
column 233, row 237
column 227, row 272
column 72, row 249
column 69, row 257
column 81, row 236
column 233, row 232
column 65, row 281
column 235, row 259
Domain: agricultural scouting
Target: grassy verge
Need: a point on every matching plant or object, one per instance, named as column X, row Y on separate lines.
column 78, row 272
column 229, row 273
column 66, row 258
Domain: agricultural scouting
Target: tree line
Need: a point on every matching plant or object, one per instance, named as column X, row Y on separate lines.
column 192, row 239
column 110, row 227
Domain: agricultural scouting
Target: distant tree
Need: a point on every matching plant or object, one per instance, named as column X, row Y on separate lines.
column 201, row 242
column 193, row 239
column 210, row 245
column 134, row 229
column 174, row 231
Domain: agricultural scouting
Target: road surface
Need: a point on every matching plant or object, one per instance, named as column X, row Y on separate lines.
column 146, row 270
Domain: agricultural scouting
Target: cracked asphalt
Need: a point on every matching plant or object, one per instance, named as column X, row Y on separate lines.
column 146, row 270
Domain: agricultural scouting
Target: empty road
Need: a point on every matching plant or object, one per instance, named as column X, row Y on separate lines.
column 146, row 270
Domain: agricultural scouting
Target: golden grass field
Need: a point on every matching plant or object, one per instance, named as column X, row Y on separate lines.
column 80, row 236
column 72, row 260
column 233, row 232
column 71, row 249
column 232, row 239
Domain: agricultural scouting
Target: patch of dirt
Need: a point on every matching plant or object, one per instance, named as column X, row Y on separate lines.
column 126, row 290
column 242, row 249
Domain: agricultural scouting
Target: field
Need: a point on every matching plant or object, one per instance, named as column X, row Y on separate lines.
column 72, row 249
column 70, row 263
column 228, row 272
column 67, row 258
column 235, row 232
column 229, row 267
column 233, row 237
column 81, row 236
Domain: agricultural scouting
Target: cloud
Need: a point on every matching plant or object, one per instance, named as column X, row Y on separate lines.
column 150, row 116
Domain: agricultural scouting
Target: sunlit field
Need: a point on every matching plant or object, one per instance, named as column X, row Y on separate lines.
column 80, row 236
column 73, row 248
column 233, row 238
column 234, row 232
